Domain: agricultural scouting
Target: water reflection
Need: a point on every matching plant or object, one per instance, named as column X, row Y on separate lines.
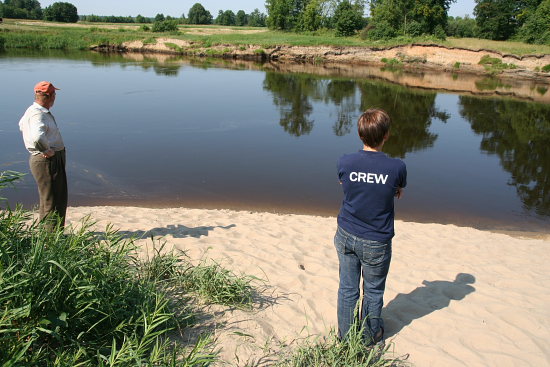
column 519, row 134
column 411, row 111
column 292, row 94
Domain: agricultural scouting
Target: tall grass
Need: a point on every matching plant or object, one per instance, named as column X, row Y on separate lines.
column 74, row 299
column 332, row 352
column 58, row 38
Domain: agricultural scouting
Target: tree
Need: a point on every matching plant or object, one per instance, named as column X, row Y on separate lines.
column 141, row 19
column 431, row 14
column 159, row 17
column 241, row 18
column 226, row 18
column 525, row 8
column 168, row 25
column 257, row 19
column 279, row 14
column 461, row 27
column 312, row 17
column 61, row 12
column 21, row 9
column 199, row 15
column 496, row 18
column 348, row 18
column 408, row 17
column 537, row 27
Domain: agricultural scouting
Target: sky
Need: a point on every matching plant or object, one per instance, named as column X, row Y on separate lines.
column 176, row 8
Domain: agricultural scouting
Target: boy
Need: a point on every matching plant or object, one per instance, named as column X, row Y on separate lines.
column 370, row 180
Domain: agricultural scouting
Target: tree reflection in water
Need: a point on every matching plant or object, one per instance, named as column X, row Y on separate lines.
column 411, row 111
column 291, row 93
column 342, row 94
column 519, row 134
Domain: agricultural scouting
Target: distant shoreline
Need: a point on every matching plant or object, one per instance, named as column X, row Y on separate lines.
column 416, row 56
column 465, row 56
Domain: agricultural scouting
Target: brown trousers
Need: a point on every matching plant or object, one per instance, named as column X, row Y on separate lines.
column 51, row 179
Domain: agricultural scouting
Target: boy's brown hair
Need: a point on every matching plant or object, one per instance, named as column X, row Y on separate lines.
column 373, row 125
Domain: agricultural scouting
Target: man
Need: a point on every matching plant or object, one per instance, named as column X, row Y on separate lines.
column 363, row 240
column 47, row 161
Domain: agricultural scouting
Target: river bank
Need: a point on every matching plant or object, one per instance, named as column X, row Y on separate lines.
column 416, row 57
column 467, row 83
column 510, row 60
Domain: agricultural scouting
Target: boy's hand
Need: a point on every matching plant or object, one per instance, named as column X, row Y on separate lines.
column 399, row 192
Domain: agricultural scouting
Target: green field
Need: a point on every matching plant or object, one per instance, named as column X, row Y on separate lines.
column 80, row 36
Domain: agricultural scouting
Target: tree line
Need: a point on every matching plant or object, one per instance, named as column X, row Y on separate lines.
column 67, row 12
column 521, row 20
column 31, row 9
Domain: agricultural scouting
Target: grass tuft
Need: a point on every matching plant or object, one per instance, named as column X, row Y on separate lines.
column 331, row 352
column 494, row 65
column 72, row 298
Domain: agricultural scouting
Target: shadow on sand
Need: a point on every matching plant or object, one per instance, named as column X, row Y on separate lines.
column 433, row 296
column 177, row 231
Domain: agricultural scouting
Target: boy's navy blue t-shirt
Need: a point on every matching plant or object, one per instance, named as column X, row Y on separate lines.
column 370, row 181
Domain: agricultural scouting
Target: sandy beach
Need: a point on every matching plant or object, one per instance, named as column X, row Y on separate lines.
column 455, row 296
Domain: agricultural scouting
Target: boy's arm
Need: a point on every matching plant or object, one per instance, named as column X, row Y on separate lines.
column 399, row 192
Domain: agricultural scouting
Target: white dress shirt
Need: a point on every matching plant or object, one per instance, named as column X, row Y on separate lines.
column 40, row 131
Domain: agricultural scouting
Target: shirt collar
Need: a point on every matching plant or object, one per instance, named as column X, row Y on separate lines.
column 41, row 108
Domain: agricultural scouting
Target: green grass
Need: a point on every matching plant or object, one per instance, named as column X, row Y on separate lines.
column 62, row 39
column 61, row 36
column 173, row 46
column 392, row 62
column 494, row 65
column 149, row 41
column 505, row 47
column 331, row 352
column 74, row 298
column 546, row 68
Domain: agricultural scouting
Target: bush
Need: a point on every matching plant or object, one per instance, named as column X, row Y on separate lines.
column 439, row 32
column 380, row 31
column 546, row 68
column 165, row 26
column 414, row 29
column 145, row 28
column 348, row 19
column 494, row 65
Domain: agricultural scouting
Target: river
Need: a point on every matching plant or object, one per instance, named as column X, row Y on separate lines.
column 215, row 134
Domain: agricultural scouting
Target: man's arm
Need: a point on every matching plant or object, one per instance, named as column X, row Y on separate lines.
column 37, row 130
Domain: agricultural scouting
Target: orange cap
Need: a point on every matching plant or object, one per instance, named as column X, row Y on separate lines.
column 45, row 87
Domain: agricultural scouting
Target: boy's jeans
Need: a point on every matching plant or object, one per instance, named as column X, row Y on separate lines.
column 373, row 257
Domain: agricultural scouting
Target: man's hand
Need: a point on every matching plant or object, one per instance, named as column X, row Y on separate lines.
column 48, row 153
column 399, row 192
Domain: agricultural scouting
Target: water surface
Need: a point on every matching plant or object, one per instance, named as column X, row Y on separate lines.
column 196, row 134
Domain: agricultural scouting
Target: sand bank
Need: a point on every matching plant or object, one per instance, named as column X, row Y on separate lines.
column 455, row 296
